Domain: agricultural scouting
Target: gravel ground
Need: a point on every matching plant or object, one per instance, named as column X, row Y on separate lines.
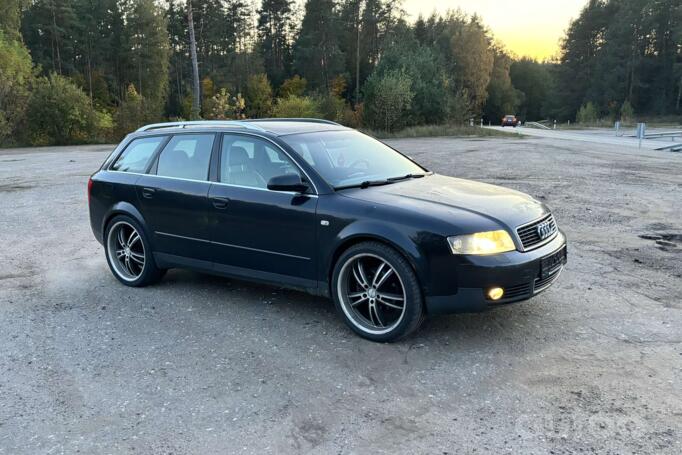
column 602, row 136
column 200, row 364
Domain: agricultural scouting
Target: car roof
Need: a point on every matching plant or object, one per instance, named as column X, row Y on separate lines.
column 276, row 127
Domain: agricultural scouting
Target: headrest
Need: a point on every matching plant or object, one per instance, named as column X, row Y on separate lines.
column 176, row 155
column 238, row 156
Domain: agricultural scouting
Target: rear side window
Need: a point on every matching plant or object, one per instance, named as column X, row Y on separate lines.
column 136, row 156
column 186, row 156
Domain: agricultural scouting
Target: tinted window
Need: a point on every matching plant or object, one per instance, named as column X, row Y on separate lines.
column 135, row 158
column 249, row 161
column 348, row 157
column 186, row 156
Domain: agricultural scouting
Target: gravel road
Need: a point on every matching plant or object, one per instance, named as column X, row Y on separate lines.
column 202, row 365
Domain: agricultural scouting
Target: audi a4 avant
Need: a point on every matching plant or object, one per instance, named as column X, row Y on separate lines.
column 312, row 205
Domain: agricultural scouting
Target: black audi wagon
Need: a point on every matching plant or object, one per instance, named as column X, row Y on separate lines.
column 312, row 205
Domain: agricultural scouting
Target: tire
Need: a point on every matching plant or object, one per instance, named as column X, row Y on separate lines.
column 129, row 253
column 368, row 301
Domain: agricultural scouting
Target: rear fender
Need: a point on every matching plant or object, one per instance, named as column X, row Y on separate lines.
column 125, row 208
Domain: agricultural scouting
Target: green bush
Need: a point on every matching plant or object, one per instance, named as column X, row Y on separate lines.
column 627, row 113
column 386, row 98
column 222, row 106
column 429, row 83
column 61, row 113
column 293, row 86
column 133, row 112
column 297, row 107
column 459, row 106
column 258, row 96
column 16, row 74
column 353, row 117
column 587, row 114
column 331, row 107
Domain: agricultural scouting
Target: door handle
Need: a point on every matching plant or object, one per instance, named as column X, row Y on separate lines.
column 220, row 202
column 148, row 192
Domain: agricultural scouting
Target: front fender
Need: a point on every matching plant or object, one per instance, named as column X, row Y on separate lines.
column 367, row 230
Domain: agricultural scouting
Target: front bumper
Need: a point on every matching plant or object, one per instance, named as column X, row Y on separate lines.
column 516, row 272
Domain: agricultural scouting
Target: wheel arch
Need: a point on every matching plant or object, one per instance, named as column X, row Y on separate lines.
column 124, row 208
column 354, row 235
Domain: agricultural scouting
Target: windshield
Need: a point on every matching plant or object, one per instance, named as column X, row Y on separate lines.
column 347, row 158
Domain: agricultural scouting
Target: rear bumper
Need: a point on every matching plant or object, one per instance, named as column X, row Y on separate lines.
column 517, row 273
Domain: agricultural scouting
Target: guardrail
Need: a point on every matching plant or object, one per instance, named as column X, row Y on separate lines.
column 671, row 148
column 671, row 134
column 537, row 125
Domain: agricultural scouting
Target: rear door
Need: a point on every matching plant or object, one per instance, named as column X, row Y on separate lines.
column 253, row 228
column 174, row 198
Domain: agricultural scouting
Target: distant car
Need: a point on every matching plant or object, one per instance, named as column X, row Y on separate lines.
column 312, row 205
column 510, row 120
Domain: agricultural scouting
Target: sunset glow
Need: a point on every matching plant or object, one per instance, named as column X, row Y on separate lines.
column 526, row 27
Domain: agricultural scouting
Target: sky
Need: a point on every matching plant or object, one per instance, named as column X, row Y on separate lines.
column 526, row 27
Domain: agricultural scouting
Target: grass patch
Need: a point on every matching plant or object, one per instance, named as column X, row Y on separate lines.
column 437, row 131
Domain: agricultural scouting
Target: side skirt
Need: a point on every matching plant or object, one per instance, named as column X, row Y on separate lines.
column 167, row 261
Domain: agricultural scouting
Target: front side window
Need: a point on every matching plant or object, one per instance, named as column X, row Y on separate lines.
column 252, row 162
column 345, row 158
column 136, row 156
column 186, row 156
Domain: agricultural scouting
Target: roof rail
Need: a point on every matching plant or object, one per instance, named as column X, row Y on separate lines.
column 237, row 123
column 293, row 119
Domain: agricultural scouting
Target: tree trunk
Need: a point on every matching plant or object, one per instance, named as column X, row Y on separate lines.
column 196, row 93
column 55, row 36
column 357, row 56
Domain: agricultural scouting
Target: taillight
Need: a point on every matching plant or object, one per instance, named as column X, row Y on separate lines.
column 89, row 189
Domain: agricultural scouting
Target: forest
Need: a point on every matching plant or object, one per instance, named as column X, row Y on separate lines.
column 78, row 71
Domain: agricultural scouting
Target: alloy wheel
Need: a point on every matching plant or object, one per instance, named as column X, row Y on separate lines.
column 126, row 251
column 372, row 293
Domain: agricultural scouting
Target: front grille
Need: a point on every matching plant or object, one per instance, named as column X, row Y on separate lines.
column 542, row 283
column 530, row 236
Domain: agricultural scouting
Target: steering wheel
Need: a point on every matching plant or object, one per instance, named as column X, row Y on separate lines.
column 355, row 163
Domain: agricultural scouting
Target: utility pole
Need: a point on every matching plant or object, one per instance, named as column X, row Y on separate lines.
column 196, row 93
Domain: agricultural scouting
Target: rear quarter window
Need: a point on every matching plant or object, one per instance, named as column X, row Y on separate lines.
column 136, row 156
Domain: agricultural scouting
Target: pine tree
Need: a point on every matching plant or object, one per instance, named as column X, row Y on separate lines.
column 275, row 19
column 149, row 52
column 583, row 40
column 49, row 29
column 317, row 56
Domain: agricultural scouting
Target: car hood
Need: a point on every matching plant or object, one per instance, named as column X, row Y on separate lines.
column 448, row 197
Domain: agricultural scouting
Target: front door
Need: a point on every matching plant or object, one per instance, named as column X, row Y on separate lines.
column 174, row 198
column 265, row 234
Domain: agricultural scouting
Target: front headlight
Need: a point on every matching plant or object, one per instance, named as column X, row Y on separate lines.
column 482, row 243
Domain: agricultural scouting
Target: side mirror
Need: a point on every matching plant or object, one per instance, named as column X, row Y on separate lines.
column 287, row 182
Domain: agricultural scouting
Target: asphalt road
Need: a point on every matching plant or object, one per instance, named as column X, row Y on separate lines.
column 200, row 364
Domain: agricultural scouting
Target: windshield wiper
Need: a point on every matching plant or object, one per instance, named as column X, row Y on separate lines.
column 365, row 184
column 388, row 181
column 405, row 177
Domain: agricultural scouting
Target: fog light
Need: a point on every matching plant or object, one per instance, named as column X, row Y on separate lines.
column 495, row 293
